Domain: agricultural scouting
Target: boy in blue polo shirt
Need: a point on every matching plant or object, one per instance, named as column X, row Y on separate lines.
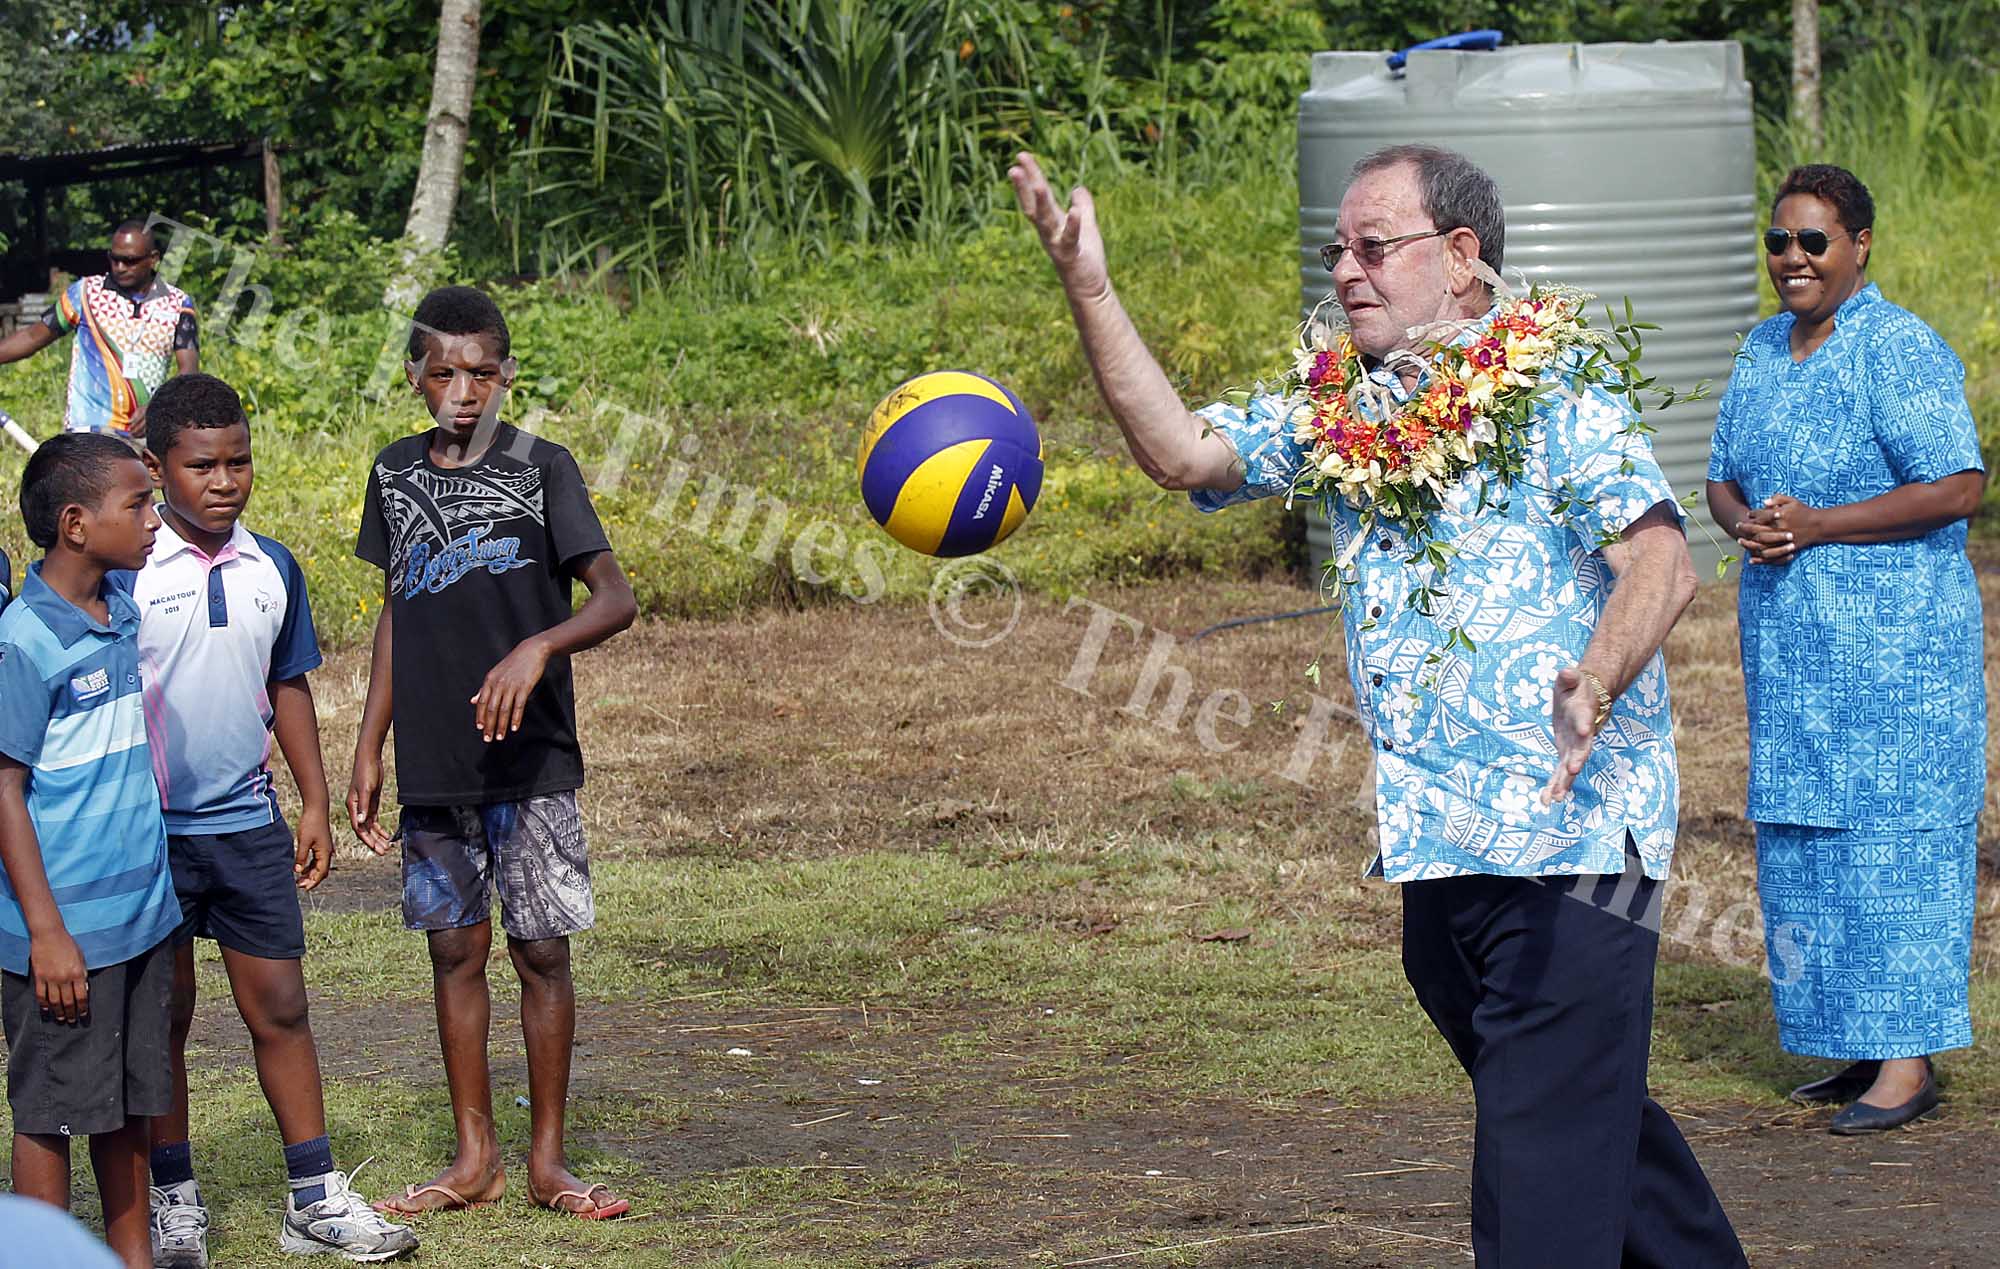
column 225, row 643
column 88, row 906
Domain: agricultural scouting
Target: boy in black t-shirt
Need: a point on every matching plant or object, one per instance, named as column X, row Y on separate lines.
column 480, row 531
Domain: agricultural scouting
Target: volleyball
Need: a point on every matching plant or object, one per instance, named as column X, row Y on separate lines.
column 950, row 463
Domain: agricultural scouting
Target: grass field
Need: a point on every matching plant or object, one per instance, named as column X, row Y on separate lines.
column 908, row 954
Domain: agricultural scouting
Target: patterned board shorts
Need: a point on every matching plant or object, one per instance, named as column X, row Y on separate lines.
column 452, row 853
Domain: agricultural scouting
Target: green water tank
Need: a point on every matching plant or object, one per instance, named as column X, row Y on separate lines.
column 1626, row 169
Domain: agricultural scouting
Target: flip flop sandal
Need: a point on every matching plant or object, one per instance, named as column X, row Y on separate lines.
column 598, row 1212
column 454, row 1201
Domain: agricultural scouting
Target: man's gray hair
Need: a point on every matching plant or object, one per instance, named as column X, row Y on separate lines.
column 1456, row 193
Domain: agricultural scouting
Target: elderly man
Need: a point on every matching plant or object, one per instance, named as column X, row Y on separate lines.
column 132, row 331
column 1542, row 750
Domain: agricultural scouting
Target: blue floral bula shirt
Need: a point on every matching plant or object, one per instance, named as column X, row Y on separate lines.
column 1863, row 666
column 1462, row 738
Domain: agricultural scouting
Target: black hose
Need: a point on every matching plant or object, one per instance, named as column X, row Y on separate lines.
column 1251, row 621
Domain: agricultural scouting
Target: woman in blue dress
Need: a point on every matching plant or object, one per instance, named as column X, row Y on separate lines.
column 1846, row 465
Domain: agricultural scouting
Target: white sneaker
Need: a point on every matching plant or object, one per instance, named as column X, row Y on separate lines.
column 343, row 1224
column 180, row 1227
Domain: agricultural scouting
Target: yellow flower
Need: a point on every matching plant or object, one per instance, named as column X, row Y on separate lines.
column 1528, row 352
column 1480, row 385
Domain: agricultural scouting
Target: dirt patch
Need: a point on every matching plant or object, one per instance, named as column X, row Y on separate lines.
column 851, row 728
column 990, row 1160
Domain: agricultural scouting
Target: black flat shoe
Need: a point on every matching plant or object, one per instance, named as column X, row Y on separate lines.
column 1841, row 1086
column 1862, row 1118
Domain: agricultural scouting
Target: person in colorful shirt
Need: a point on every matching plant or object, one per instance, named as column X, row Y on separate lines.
column 1541, row 750
column 1846, row 462
column 132, row 331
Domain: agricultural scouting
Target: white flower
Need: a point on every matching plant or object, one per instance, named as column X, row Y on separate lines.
column 1635, row 783
column 1383, row 584
column 1648, row 686
column 1616, row 510
column 1505, row 576
column 1531, row 690
column 1479, row 385
column 1515, row 800
column 1597, row 421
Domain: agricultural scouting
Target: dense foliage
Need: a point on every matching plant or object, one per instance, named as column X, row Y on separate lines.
column 646, row 134
column 779, row 259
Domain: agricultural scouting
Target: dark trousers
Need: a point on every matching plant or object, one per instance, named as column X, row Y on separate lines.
column 1544, row 990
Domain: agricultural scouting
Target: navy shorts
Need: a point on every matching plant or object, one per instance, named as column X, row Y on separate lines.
column 239, row 889
column 90, row 1077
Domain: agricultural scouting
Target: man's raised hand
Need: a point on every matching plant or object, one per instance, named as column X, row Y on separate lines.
column 1070, row 237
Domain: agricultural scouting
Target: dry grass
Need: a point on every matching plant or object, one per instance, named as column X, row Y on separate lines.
column 851, row 728
column 900, row 955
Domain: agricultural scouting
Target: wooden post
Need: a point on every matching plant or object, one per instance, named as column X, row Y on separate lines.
column 38, row 234
column 274, row 197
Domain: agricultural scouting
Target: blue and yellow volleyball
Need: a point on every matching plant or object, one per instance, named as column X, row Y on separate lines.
column 950, row 463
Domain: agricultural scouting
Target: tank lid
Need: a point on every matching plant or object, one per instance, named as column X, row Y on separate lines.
column 1576, row 73
column 1482, row 39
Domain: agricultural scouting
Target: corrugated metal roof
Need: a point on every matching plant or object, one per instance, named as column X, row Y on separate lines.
column 126, row 148
column 72, row 166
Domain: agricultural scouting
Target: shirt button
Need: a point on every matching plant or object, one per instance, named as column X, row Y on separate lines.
column 1384, row 544
column 1376, row 611
column 1389, row 745
column 1376, row 679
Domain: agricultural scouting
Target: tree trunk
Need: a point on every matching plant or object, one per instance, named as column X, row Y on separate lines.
column 1806, row 122
column 436, row 197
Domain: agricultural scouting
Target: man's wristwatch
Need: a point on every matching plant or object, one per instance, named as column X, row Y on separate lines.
column 1603, row 699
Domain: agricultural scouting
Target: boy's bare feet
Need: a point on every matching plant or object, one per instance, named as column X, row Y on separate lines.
column 451, row 1190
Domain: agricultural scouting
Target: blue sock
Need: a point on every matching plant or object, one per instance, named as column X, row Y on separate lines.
column 307, row 1163
column 173, row 1164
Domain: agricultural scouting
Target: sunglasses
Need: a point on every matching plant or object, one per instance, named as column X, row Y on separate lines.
column 1371, row 251
column 129, row 261
column 1813, row 242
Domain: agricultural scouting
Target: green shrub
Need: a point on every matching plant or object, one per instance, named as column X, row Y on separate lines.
column 772, row 375
column 768, row 360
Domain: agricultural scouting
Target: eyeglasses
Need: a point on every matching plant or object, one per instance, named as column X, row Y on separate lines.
column 1370, row 251
column 129, row 261
column 1813, row 242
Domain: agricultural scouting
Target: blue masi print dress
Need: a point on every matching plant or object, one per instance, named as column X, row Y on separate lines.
column 1864, row 677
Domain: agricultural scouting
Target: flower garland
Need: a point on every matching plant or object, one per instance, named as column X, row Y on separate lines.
column 1472, row 407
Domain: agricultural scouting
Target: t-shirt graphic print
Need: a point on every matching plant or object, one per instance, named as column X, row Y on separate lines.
column 424, row 505
column 476, row 559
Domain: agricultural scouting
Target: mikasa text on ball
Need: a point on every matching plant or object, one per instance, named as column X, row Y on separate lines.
column 950, row 463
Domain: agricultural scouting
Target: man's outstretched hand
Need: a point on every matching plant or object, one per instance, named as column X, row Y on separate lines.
column 1070, row 237
column 1572, row 714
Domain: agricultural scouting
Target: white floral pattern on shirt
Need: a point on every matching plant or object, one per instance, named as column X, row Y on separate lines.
column 1462, row 737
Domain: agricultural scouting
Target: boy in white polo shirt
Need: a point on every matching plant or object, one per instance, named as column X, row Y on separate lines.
column 225, row 643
